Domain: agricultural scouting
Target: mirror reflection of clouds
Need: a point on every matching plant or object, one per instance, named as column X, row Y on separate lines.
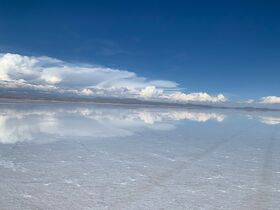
column 42, row 124
column 270, row 120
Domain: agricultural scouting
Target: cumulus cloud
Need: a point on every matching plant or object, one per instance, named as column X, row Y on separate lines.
column 270, row 100
column 53, row 75
column 202, row 97
column 150, row 91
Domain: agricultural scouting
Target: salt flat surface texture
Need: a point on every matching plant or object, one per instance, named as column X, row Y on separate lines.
column 58, row 156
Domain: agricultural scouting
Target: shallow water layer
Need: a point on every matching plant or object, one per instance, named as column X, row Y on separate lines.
column 59, row 156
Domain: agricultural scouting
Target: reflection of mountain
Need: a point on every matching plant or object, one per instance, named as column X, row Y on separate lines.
column 45, row 124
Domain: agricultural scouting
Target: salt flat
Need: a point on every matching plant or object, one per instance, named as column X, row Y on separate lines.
column 59, row 156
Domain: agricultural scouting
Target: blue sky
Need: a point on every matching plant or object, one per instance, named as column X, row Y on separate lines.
column 229, row 47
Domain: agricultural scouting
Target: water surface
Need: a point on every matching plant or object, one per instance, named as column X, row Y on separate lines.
column 61, row 156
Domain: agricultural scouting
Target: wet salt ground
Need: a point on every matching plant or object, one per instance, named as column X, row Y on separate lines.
column 150, row 160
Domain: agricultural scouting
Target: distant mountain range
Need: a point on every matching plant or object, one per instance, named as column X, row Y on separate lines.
column 23, row 97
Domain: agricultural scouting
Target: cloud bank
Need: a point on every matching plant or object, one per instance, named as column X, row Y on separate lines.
column 51, row 75
column 264, row 100
column 270, row 100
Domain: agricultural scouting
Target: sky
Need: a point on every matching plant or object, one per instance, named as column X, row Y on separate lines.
column 209, row 51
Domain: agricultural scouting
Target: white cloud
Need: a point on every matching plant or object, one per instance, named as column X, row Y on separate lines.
column 86, row 92
column 52, row 79
column 249, row 101
column 270, row 100
column 150, row 91
column 192, row 97
column 53, row 75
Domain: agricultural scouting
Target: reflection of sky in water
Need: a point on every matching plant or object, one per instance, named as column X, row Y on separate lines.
column 41, row 124
column 270, row 120
column 113, row 157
